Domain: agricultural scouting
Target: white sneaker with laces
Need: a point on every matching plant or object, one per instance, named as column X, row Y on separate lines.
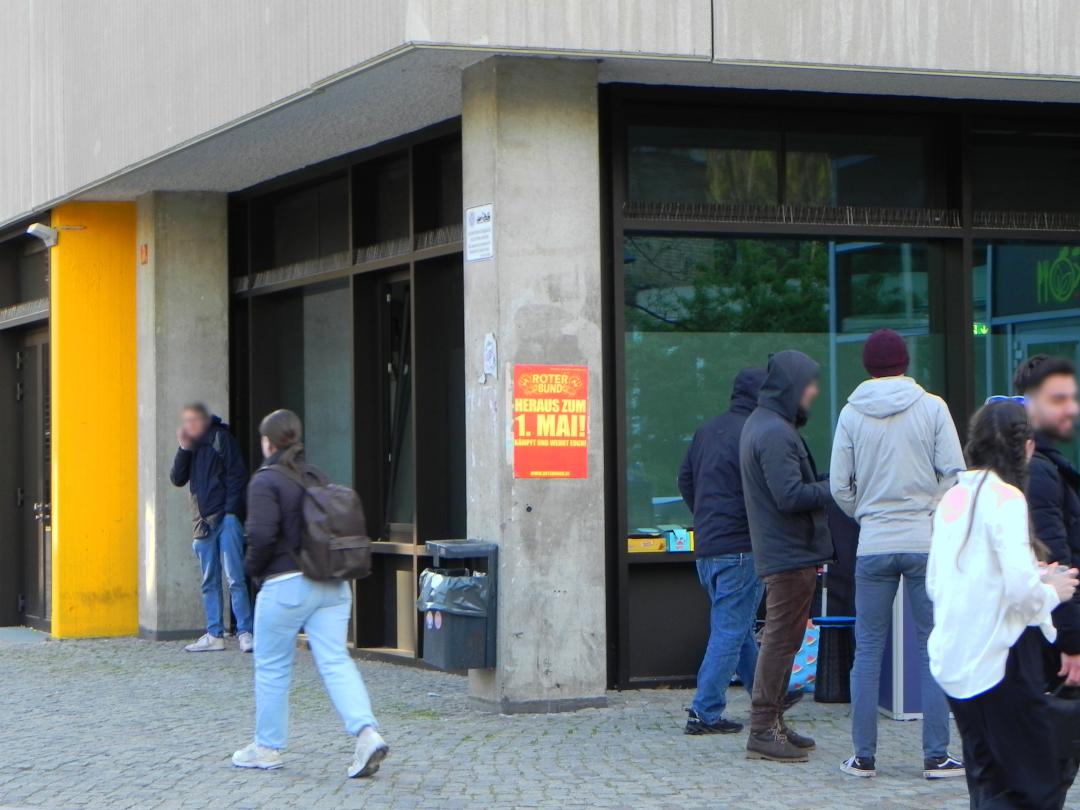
column 246, row 642
column 207, row 643
column 371, row 750
column 255, row 756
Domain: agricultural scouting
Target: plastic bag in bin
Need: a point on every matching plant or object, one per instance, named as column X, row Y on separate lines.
column 453, row 590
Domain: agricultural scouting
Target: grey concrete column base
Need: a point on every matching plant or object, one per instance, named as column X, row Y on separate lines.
column 169, row 635
column 507, row 706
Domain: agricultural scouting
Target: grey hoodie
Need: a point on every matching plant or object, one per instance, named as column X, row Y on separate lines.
column 785, row 502
column 894, row 454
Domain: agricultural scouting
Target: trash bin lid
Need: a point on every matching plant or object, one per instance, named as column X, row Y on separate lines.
column 461, row 549
column 834, row 621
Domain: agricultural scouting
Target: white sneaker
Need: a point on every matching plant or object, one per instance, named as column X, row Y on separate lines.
column 207, row 643
column 371, row 750
column 246, row 642
column 255, row 756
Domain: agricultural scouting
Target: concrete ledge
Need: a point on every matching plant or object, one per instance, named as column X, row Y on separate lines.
column 169, row 635
column 506, row 706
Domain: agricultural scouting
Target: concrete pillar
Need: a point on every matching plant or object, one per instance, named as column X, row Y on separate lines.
column 183, row 329
column 531, row 148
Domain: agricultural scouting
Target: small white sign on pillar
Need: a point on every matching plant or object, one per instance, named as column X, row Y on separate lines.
column 479, row 233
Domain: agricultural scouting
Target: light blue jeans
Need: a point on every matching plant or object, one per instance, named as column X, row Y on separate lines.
column 734, row 594
column 283, row 608
column 225, row 543
column 877, row 577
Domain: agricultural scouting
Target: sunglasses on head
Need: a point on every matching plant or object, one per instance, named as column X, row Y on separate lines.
column 1004, row 398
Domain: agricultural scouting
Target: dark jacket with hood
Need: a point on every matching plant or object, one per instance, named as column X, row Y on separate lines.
column 785, row 503
column 710, row 480
column 275, row 522
column 1055, row 514
column 215, row 474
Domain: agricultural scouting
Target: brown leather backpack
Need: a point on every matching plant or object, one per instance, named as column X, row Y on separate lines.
column 334, row 545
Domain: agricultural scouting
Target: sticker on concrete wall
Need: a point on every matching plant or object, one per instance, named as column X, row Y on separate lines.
column 479, row 233
column 491, row 356
column 551, row 421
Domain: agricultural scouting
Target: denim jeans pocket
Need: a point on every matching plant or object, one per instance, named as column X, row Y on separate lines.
column 289, row 592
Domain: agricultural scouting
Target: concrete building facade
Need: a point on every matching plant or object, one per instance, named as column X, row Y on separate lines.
column 268, row 204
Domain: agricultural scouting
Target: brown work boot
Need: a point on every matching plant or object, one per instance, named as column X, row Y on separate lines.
column 774, row 745
column 797, row 739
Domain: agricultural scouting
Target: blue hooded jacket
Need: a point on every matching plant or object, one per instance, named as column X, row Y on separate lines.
column 710, row 480
column 216, row 475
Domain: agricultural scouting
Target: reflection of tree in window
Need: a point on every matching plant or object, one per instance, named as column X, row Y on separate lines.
column 730, row 285
column 697, row 310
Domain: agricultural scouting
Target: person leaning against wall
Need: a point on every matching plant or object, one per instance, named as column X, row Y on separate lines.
column 895, row 453
column 209, row 462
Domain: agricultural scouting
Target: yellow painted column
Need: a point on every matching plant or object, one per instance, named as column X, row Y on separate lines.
column 94, row 421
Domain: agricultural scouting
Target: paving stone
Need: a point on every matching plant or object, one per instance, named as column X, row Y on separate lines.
column 128, row 723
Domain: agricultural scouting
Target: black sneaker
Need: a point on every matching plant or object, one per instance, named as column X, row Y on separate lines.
column 944, row 767
column 859, row 766
column 695, row 725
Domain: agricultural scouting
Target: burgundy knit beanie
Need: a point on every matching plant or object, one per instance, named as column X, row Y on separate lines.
column 885, row 354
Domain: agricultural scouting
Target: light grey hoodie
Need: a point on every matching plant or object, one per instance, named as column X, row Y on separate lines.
column 895, row 454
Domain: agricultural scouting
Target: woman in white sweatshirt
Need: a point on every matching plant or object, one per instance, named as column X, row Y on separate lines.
column 992, row 603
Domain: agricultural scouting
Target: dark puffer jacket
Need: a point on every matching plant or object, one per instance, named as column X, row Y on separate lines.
column 710, row 481
column 1055, row 514
column 215, row 474
column 275, row 522
column 785, row 503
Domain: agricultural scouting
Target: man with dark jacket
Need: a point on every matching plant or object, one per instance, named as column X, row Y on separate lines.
column 1048, row 385
column 785, row 505
column 711, row 485
column 208, row 461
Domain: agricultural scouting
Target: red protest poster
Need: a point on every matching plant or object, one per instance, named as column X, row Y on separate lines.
column 551, row 421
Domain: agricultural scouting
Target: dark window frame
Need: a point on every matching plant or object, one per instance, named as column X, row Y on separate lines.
column 947, row 124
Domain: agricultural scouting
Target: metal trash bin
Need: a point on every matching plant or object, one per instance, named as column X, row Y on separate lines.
column 836, row 654
column 459, row 605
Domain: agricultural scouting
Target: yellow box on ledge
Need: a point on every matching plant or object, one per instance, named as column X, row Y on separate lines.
column 646, row 544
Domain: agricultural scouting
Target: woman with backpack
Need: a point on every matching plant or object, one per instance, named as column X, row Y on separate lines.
column 290, row 602
column 992, row 603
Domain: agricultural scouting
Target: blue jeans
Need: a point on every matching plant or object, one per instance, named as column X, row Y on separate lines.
column 283, row 608
column 735, row 592
column 877, row 577
column 226, row 542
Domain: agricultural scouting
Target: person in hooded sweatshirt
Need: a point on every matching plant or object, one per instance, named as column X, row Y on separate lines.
column 895, row 453
column 711, row 485
column 785, row 508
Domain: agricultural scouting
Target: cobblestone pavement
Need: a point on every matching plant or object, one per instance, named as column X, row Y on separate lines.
column 135, row 724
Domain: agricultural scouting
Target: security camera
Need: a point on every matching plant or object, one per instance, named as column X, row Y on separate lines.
column 43, row 232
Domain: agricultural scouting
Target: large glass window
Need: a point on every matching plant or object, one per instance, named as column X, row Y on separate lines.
column 698, row 309
column 1025, row 171
column 304, row 364
column 1027, row 301
column 760, row 167
column 854, row 169
column 704, row 165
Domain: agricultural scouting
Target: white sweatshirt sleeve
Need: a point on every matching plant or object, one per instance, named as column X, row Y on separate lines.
column 1025, row 592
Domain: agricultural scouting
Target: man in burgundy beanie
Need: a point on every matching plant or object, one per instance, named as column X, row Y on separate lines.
column 885, row 354
column 895, row 453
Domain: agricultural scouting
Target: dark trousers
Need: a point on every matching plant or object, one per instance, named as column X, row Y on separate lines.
column 787, row 607
column 1009, row 749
